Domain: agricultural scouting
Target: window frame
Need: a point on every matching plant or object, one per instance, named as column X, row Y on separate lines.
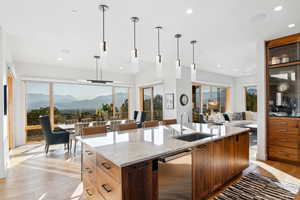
column 141, row 90
column 52, row 102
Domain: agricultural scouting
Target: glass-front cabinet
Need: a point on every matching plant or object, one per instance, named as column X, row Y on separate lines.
column 284, row 91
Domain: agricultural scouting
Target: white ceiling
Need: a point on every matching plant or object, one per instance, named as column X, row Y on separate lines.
column 40, row 31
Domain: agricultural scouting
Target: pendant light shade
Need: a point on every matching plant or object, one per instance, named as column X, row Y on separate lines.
column 193, row 66
column 134, row 53
column 178, row 61
column 159, row 70
column 103, row 9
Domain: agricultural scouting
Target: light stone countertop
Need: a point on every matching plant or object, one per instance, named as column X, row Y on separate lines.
column 125, row 148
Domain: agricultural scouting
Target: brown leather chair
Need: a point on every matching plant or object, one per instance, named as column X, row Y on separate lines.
column 129, row 126
column 94, row 130
column 169, row 121
column 148, row 124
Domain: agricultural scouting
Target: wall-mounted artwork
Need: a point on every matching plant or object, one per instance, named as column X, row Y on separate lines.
column 169, row 101
column 5, row 99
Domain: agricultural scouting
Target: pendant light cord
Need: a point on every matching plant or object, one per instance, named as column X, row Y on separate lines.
column 103, row 25
column 177, row 48
column 134, row 35
column 97, row 70
column 158, row 42
column 193, row 53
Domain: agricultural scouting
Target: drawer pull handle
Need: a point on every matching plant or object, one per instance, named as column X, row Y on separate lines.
column 106, row 166
column 89, row 153
column 283, row 140
column 88, row 170
column 283, row 123
column 283, row 130
column 106, row 188
column 89, row 193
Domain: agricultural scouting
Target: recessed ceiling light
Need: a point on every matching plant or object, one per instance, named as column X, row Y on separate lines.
column 59, row 59
column 189, row 11
column 74, row 11
column 219, row 66
column 121, row 68
column 291, row 25
column 236, row 69
column 278, row 8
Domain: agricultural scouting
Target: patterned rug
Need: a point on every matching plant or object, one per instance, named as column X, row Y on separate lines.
column 257, row 187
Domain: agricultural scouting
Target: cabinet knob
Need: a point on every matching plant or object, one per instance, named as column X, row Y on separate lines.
column 88, row 192
column 106, row 166
column 89, row 153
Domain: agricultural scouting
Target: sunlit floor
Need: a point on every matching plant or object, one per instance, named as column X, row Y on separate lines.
column 33, row 176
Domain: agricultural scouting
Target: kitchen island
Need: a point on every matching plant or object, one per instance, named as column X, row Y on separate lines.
column 124, row 165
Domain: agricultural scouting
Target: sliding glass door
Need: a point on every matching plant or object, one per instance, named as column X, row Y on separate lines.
column 152, row 102
column 209, row 99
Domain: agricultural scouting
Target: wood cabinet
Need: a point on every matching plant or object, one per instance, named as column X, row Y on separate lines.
column 217, row 162
column 103, row 180
column 283, row 99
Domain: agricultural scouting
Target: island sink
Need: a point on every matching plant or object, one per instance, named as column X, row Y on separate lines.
column 194, row 136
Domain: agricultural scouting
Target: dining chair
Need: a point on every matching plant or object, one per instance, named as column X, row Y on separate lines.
column 128, row 126
column 169, row 121
column 135, row 115
column 114, row 124
column 142, row 119
column 86, row 120
column 98, row 123
column 53, row 137
column 148, row 124
column 71, row 121
column 78, row 131
column 94, row 130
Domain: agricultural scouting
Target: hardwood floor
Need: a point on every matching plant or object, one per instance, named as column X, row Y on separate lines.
column 33, row 176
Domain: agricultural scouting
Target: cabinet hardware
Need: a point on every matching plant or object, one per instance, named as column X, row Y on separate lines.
column 88, row 192
column 106, row 188
column 106, row 166
column 89, row 153
column 88, row 170
column 283, row 130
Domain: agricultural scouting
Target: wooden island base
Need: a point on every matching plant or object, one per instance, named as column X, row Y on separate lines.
column 213, row 165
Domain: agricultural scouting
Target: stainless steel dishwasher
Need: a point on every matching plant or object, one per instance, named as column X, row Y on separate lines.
column 175, row 176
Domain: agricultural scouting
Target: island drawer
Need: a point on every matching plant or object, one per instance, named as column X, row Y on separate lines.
column 89, row 171
column 284, row 140
column 89, row 154
column 284, row 153
column 107, row 186
column 109, row 168
column 90, row 192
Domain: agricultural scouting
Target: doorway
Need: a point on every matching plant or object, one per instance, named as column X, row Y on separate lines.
column 10, row 109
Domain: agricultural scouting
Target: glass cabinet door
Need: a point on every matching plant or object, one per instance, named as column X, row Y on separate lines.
column 284, row 54
column 284, row 94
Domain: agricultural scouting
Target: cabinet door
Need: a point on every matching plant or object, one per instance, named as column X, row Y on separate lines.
column 139, row 182
column 201, row 169
column 218, row 164
column 242, row 151
column 230, row 155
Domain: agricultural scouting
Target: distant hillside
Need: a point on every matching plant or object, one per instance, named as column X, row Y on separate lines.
column 36, row 101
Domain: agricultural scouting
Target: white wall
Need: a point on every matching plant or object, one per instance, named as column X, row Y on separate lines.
column 3, row 119
column 239, row 94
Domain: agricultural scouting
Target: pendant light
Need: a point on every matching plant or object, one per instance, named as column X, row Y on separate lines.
column 178, row 61
column 193, row 66
column 134, row 53
column 158, row 57
column 97, row 80
column 102, row 9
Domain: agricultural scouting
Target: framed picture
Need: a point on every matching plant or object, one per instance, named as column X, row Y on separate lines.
column 170, row 101
column 5, row 99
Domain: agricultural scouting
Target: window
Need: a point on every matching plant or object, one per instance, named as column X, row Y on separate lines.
column 152, row 102
column 73, row 102
column 207, row 99
column 37, row 100
column 251, row 99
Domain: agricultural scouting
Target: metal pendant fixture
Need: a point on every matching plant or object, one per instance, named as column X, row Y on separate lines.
column 102, row 9
column 97, row 80
column 134, row 53
column 158, row 57
column 193, row 66
column 178, row 62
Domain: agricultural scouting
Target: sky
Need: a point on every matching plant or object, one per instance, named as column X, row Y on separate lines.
column 80, row 92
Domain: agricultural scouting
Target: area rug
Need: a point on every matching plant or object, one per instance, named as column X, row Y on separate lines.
column 258, row 187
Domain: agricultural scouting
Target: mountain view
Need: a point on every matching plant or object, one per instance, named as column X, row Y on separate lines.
column 67, row 102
